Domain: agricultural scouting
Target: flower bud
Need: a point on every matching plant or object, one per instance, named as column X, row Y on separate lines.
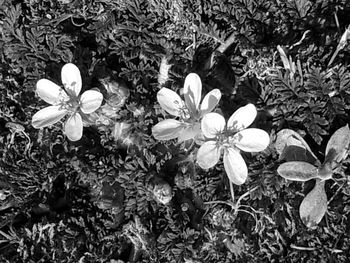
column 162, row 192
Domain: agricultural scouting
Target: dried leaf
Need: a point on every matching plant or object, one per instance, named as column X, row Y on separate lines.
column 338, row 145
column 314, row 205
column 284, row 58
column 298, row 171
column 342, row 43
column 292, row 147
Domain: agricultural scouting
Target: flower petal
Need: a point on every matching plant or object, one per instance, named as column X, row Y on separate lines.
column 208, row 155
column 48, row 116
column 71, row 79
column 167, row 129
column 193, row 92
column 90, row 101
column 212, row 124
column 210, row 101
column 251, row 140
column 50, row 92
column 74, row 127
column 170, row 101
column 190, row 132
column 242, row 117
column 235, row 166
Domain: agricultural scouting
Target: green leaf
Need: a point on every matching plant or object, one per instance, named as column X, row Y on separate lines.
column 292, row 147
column 314, row 205
column 338, row 145
column 297, row 171
column 301, row 7
column 296, row 153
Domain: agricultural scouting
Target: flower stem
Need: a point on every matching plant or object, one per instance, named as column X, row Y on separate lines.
column 232, row 193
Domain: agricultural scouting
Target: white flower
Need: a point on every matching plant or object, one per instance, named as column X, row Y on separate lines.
column 189, row 112
column 230, row 139
column 66, row 102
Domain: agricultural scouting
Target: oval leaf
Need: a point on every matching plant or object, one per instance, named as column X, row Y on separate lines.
column 296, row 153
column 314, row 205
column 338, row 145
column 297, row 171
column 292, row 147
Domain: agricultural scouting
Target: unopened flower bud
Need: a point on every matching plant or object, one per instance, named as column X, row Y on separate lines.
column 117, row 93
column 163, row 192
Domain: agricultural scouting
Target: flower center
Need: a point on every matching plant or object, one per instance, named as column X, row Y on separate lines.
column 227, row 138
column 72, row 105
column 184, row 113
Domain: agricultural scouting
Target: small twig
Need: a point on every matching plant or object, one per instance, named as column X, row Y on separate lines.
column 59, row 20
column 245, row 194
column 334, row 250
column 250, row 213
column 336, row 20
column 233, row 205
column 193, row 45
column 342, row 43
column 209, row 234
column 300, row 41
column 303, row 248
column 75, row 24
column 220, row 202
column 254, row 210
column 336, row 193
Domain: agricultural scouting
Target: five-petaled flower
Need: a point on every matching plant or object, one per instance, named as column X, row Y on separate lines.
column 66, row 102
column 230, row 139
column 189, row 112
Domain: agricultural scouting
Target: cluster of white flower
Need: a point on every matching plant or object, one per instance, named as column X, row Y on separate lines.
column 195, row 120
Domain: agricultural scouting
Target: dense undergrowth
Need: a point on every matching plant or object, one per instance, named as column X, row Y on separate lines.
column 94, row 200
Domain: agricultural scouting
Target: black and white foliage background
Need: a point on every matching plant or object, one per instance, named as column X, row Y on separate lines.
column 93, row 200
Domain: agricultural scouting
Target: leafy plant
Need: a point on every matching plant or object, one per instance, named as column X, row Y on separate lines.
column 119, row 194
column 300, row 166
column 310, row 96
